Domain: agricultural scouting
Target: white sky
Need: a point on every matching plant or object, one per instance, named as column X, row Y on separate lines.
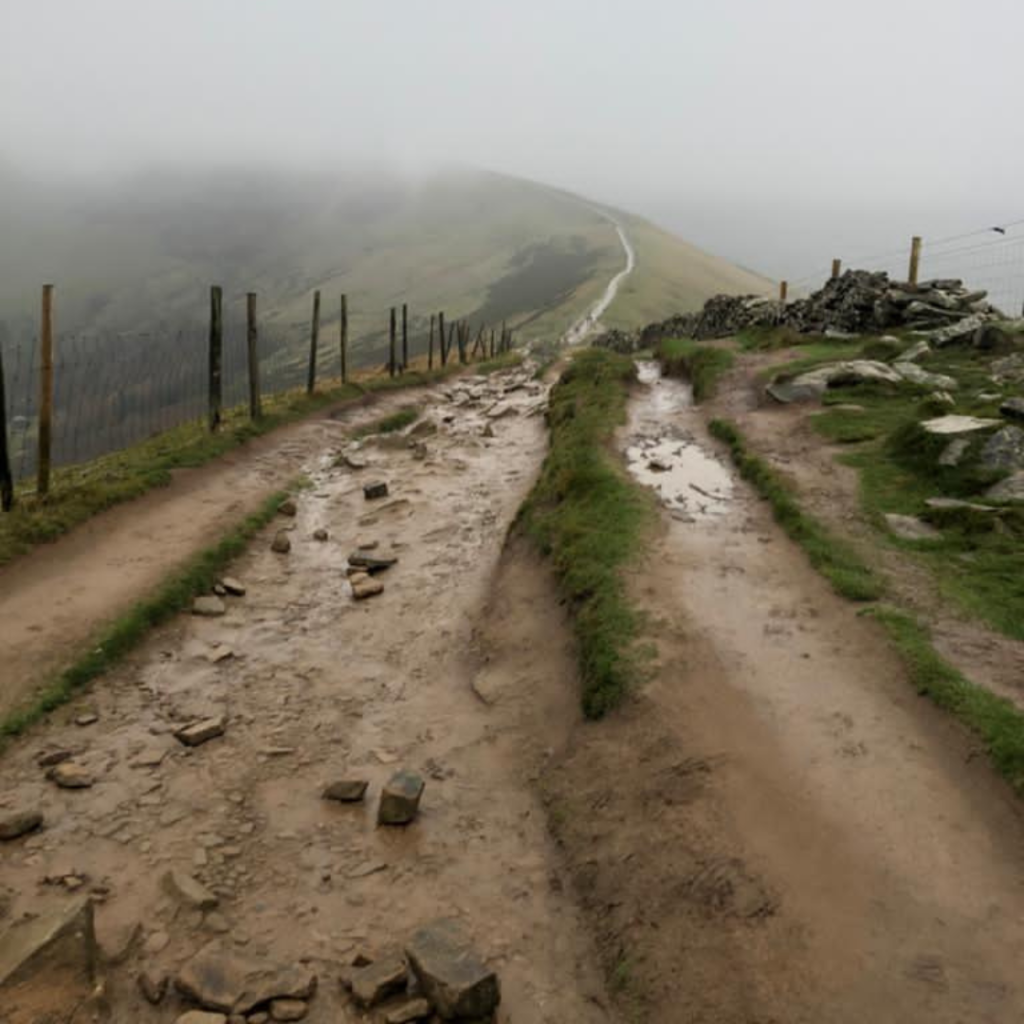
column 775, row 133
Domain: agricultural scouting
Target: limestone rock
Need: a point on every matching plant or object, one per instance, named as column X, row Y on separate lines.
column 281, row 544
column 400, row 798
column 346, row 791
column 190, row 891
column 153, row 985
column 196, row 733
column 69, row 775
column 953, row 453
column 956, row 332
column 234, row 587
column 1004, row 450
column 911, row 528
column 209, row 606
column 377, row 489
column 918, row 350
column 15, row 824
column 913, row 373
column 451, row 975
column 1010, row 489
column 375, row 982
column 288, row 1009
column 954, row 424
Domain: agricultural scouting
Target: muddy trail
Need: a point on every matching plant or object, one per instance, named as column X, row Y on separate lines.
column 54, row 599
column 795, row 835
column 223, row 857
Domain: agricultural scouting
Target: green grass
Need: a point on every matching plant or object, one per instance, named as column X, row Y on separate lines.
column 390, row 424
column 174, row 595
column 998, row 723
column 849, row 575
column 702, row 365
column 588, row 517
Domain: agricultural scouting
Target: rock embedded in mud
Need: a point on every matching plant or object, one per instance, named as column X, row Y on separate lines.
column 190, row 891
column 288, row 1009
column 69, row 775
column 196, row 733
column 16, row 824
column 209, row 606
column 365, row 587
column 451, row 975
column 288, row 508
column 234, row 587
column 89, row 718
column 281, row 544
column 48, row 758
column 346, row 791
column 409, row 1011
column 375, row 982
column 153, row 985
column 400, row 798
column 377, row 489
column 320, row 535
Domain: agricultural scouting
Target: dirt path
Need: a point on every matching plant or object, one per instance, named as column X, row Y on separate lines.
column 796, row 836
column 54, row 599
column 319, row 688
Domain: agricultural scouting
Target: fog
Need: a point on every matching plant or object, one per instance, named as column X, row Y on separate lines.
column 777, row 135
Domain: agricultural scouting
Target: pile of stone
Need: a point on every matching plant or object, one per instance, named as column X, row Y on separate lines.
column 856, row 302
column 363, row 570
column 439, row 973
column 618, row 341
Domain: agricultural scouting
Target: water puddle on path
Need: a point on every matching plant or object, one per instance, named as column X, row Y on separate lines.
column 662, row 454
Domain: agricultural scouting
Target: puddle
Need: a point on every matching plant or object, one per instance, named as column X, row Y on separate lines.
column 660, row 453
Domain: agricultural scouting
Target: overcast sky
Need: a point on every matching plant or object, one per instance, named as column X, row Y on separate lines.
column 777, row 134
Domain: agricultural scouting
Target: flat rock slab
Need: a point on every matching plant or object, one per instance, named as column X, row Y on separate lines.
column 209, row 606
column 377, row 489
column 954, row 424
column 346, row 791
column 190, row 891
column 28, row 947
column 234, row 587
column 69, row 775
column 14, row 825
column 218, row 980
column 953, row 503
column 197, row 733
column 911, row 528
column 374, row 983
column 400, row 799
column 370, row 563
column 451, row 975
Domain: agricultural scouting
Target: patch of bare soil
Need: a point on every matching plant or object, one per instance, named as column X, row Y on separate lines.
column 785, row 437
column 776, row 829
column 312, row 687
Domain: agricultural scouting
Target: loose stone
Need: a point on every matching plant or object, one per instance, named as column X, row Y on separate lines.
column 400, row 799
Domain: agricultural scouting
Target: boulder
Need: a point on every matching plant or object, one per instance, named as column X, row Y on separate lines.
column 450, row 974
column 1004, row 450
column 960, row 331
column 400, row 798
column 15, row 824
column 814, row 383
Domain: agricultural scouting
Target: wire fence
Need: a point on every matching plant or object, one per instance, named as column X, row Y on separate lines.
column 115, row 390
column 990, row 258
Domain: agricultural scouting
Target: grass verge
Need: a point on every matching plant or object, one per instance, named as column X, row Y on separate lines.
column 702, row 365
column 997, row 722
column 195, row 577
column 587, row 517
column 835, row 560
column 390, row 424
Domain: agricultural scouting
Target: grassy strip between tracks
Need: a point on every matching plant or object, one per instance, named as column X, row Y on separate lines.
column 701, row 365
column 587, row 516
column 996, row 721
column 197, row 576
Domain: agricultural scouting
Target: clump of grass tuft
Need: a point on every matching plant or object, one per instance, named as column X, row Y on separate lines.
column 998, row 723
column 176, row 593
column 391, row 424
column 835, row 560
column 702, row 365
column 587, row 516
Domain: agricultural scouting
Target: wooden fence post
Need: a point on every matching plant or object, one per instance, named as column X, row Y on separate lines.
column 45, row 393
column 463, row 340
column 391, row 344
column 430, row 345
column 837, row 268
column 6, row 477
column 253, row 356
column 405, row 337
column 783, row 290
column 314, row 339
column 444, row 350
column 915, row 259
column 504, row 334
column 344, row 339
column 216, row 356
column 492, row 343
column 479, row 343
